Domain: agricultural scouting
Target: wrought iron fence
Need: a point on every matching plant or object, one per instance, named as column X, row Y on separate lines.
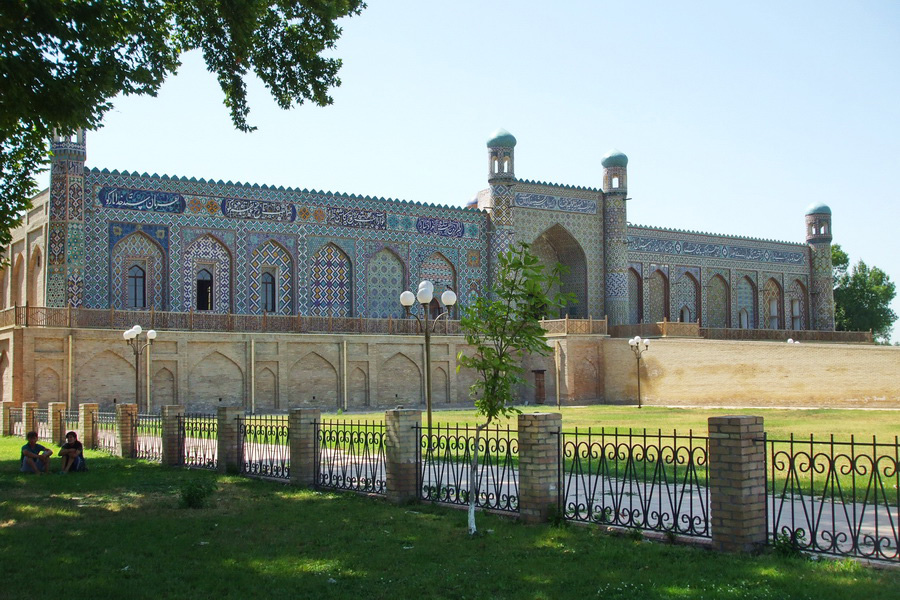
column 445, row 455
column 148, row 437
column 71, row 422
column 263, row 446
column 105, row 428
column 42, row 425
column 835, row 497
column 17, row 416
column 199, row 435
column 636, row 479
column 350, row 456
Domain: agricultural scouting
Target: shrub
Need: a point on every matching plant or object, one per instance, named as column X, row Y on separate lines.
column 196, row 493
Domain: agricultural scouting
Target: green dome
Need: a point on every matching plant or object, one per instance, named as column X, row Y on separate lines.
column 615, row 159
column 501, row 139
column 818, row 209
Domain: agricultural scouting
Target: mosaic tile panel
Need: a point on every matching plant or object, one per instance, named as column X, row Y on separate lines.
column 618, row 301
column 385, row 280
column 635, row 297
column 439, row 271
column 208, row 253
column 717, row 302
column 270, row 256
column 658, row 297
column 138, row 248
column 797, row 292
column 686, row 295
column 772, row 302
column 330, row 283
column 746, row 301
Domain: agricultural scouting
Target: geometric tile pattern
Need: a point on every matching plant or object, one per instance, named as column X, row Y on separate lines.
column 439, row 271
column 658, row 292
column 773, row 305
column 330, row 283
column 635, row 298
column 797, row 293
column 620, row 307
column 138, row 249
column 686, row 294
column 717, row 303
column 746, row 303
column 271, row 257
column 385, row 282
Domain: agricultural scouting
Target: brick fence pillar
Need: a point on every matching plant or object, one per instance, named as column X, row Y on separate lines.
column 126, row 424
column 29, row 417
column 539, row 445
column 230, row 460
column 737, row 483
column 172, row 438
column 56, row 412
column 87, row 419
column 302, row 436
column 401, row 444
column 6, row 424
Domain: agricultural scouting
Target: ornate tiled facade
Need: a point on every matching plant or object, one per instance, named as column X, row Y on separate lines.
column 342, row 255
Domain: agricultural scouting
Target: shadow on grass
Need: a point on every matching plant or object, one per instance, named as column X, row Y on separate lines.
column 263, row 538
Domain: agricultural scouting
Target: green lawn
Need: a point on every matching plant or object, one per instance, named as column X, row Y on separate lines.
column 884, row 424
column 117, row 531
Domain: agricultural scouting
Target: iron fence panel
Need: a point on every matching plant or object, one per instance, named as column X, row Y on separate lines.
column 637, row 479
column 832, row 497
column 200, row 440
column 148, row 437
column 17, row 416
column 42, row 425
column 264, row 449
column 105, row 428
column 445, row 456
column 350, row 456
column 71, row 423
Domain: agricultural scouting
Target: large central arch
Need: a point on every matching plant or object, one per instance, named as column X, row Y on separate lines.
column 556, row 245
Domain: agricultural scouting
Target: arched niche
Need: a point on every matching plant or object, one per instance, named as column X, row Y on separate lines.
column 213, row 378
column 331, row 283
column 557, row 245
column 313, row 382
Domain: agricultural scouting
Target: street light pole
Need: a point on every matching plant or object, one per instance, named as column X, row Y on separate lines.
column 133, row 339
column 424, row 296
column 635, row 344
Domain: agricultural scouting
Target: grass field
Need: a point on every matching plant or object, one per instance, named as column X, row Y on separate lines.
column 118, row 531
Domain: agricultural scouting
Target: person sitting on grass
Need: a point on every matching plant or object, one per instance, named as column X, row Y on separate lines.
column 35, row 458
column 72, row 454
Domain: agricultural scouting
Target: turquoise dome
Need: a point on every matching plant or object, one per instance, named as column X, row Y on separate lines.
column 818, row 209
column 501, row 139
column 615, row 159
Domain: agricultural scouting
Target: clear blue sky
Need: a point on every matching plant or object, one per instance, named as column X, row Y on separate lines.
column 735, row 116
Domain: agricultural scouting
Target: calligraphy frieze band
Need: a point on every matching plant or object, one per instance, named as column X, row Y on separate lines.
column 444, row 227
column 357, row 217
column 258, row 209
column 683, row 247
column 544, row 202
column 143, row 200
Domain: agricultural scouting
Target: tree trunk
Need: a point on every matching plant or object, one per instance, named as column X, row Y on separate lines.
column 473, row 479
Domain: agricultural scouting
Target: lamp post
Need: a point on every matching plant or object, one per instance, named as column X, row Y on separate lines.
column 424, row 295
column 635, row 344
column 133, row 339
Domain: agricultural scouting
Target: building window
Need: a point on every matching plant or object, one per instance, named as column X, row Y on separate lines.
column 204, row 290
column 744, row 318
column 796, row 319
column 268, row 292
column 137, row 297
column 773, row 313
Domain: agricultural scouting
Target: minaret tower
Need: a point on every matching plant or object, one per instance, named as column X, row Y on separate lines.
column 501, row 178
column 821, row 275
column 65, row 243
column 615, row 250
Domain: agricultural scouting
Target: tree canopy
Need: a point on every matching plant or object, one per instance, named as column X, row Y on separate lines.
column 862, row 296
column 63, row 61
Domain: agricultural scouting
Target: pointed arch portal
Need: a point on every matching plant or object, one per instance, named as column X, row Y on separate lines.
column 556, row 245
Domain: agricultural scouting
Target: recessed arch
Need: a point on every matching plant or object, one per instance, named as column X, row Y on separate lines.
column 687, row 292
column 798, row 300
column 313, row 382
column 162, row 390
column 718, row 303
column 746, row 303
column 658, row 284
column 35, row 292
column 17, row 292
column 385, row 280
column 266, row 390
column 271, row 279
column 557, row 245
column 208, row 253
column 635, row 297
column 400, row 382
column 773, row 304
column 216, row 377
column 138, row 250
column 104, row 377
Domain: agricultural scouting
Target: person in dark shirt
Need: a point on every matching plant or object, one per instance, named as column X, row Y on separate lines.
column 72, row 454
column 35, row 458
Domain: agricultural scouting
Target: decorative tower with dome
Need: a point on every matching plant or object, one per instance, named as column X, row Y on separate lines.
column 65, row 247
column 501, row 179
column 821, row 276
column 615, row 242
